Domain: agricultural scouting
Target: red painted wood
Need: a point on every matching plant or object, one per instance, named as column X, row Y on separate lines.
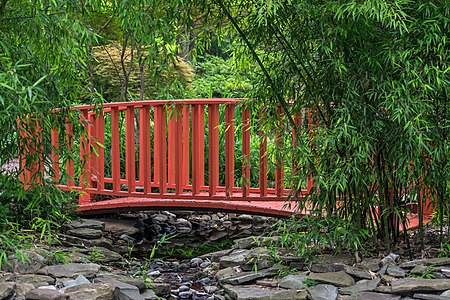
column 178, row 153
column 279, row 172
column 245, row 151
column 85, row 159
column 213, row 148
column 160, row 143
column 186, row 143
column 130, row 158
column 229, row 149
column 100, row 146
column 70, row 169
column 198, row 148
column 172, row 116
column 115, row 149
column 145, row 159
column 55, row 155
column 263, row 182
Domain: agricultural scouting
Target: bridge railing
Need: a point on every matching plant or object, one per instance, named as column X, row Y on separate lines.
column 169, row 150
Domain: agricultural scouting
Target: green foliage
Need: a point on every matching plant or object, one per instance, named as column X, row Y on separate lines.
column 216, row 77
column 444, row 250
column 311, row 236
column 190, row 252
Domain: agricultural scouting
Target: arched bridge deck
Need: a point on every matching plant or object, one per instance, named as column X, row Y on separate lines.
column 200, row 154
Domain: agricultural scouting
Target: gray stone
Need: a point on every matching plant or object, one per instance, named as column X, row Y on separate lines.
column 86, row 233
column 430, row 297
column 252, row 241
column 446, row 293
column 149, row 295
column 215, row 256
column 269, row 282
column 23, row 288
column 104, row 255
column 293, row 282
column 86, row 223
column 35, row 280
column 370, row 264
column 111, row 278
column 389, row 259
column 255, row 292
column 70, row 270
column 235, row 258
column 409, row 285
column 196, row 261
column 361, row 286
column 4, row 277
column 6, row 289
column 323, row 292
column 326, row 268
column 45, row 294
column 446, row 272
column 118, row 227
column 183, row 288
column 126, row 291
column 74, row 282
column 419, row 270
column 92, row 291
column 357, row 272
column 210, row 289
column 245, row 277
column 395, row 271
column 161, row 289
column 339, row 279
column 335, row 259
column 76, row 241
column 185, row 294
column 30, row 263
column 437, row 261
column 371, row 296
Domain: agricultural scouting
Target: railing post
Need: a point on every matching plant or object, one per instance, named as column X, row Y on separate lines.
column 115, row 149
column 144, row 154
column 130, row 158
column 160, row 148
column 213, row 148
column 85, row 159
column 198, row 148
column 245, row 151
column 229, row 149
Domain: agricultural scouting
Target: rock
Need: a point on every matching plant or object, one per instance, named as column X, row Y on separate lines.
column 149, row 295
column 22, row 289
column 161, row 289
column 293, row 282
column 252, row 241
column 30, row 263
column 77, row 281
column 4, row 277
column 446, row 293
column 92, row 291
column 395, row 271
column 446, row 272
column 183, row 288
column 419, row 270
column 254, row 292
column 86, row 223
column 217, row 235
column 322, row 292
column 111, row 277
column 35, row 280
column 215, row 256
column 357, row 272
column 371, row 296
column 437, row 261
column 86, row 233
column 361, row 286
column 339, row 279
column 185, row 294
column 7, row 289
column 430, row 297
column 70, row 270
column 126, row 291
column 389, row 259
column 118, row 227
column 246, row 277
column 409, row 285
column 195, row 262
column 45, row 294
column 104, row 255
column 227, row 273
column 269, row 282
column 335, row 259
column 370, row 264
column 326, row 268
column 210, row 289
column 76, row 241
column 235, row 258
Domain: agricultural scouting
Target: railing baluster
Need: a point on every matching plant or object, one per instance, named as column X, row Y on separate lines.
column 145, row 160
column 263, row 165
column 69, row 163
column 279, row 173
column 186, row 131
column 245, row 151
column 198, row 147
column 130, row 150
column 178, row 161
column 115, row 148
column 55, row 156
column 213, row 148
column 171, row 145
column 160, row 143
column 85, row 159
column 100, row 127
column 229, row 149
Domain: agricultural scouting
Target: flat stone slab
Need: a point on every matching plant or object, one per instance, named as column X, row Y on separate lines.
column 371, row 296
column 410, row 285
column 256, row 292
column 437, row 261
column 86, row 223
column 430, row 297
column 339, row 279
column 6, row 289
column 35, row 279
column 86, row 233
column 293, row 282
column 44, row 294
column 323, row 292
column 235, row 258
column 70, row 270
column 245, row 277
column 361, row 286
column 92, row 291
column 111, row 277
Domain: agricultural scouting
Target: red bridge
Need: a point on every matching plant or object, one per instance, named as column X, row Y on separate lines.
column 182, row 154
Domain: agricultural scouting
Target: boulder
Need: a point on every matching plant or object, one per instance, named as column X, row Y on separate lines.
column 323, row 292
column 92, row 291
column 70, row 270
